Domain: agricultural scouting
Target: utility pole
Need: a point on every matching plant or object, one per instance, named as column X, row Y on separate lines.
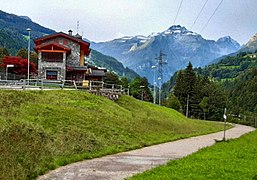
column 187, row 105
column 225, row 121
column 154, row 85
column 160, row 63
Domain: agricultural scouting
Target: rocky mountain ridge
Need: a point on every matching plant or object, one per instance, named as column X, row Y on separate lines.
column 178, row 43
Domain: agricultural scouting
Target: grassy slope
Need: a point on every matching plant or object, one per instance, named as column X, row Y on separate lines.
column 235, row 159
column 42, row 130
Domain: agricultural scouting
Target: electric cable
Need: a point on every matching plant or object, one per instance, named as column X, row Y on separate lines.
column 178, row 11
column 199, row 14
column 211, row 16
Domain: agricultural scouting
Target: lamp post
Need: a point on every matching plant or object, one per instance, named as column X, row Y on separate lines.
column 28, row 52
column 154, row 85
column 187, row 105
column 6, row 71
column 160, row 90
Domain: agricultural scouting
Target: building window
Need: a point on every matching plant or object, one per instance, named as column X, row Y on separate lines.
column 65, row 42
column 51, row 75
column 52, row 57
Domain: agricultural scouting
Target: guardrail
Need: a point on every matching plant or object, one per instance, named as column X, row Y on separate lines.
column 96, row 87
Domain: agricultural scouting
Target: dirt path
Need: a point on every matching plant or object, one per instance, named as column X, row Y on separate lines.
column 122, row 165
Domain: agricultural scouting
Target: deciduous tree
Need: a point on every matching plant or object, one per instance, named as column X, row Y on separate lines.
column 173, row 102
column 140, row 90
column 20, row 65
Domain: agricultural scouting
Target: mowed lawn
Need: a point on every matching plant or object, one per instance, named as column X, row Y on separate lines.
column 42, row 130
column 234, row 159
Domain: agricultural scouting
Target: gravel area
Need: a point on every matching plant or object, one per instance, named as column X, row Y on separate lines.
column 126, row 164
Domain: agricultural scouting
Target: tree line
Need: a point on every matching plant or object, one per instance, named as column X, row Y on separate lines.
column 196, row 96
column 139, row 87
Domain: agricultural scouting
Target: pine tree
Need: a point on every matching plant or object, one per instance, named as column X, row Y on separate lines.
column 185, row 87
column 205, row 99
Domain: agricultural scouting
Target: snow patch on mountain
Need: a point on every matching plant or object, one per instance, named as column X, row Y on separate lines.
column 178, row 43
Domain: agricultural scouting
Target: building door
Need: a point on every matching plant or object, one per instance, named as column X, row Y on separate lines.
column 52, row 75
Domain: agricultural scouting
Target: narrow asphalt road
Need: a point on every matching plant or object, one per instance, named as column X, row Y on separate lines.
column 123, row 165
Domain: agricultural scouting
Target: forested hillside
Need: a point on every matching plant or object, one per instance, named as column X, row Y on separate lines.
column 231, row 83
column 243, row 92
column 14, row 34
column 199, row 97
column 230, row 67
column 112, row 64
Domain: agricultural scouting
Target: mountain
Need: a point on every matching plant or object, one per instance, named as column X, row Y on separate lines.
column 98, row 59
column 250, row 46
column 11, row 40
column 14, row 36
column 21, row 23
column 13, row 29
column 179, row 44
column 26, row 17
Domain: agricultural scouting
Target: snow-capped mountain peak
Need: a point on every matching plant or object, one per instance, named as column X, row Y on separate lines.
column 178, row 43
column 177, row 29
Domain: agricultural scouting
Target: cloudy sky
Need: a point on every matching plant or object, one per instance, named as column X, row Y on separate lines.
column 102, row 20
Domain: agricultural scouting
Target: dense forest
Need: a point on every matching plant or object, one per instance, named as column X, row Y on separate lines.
column 198, row 96
column 231, row 83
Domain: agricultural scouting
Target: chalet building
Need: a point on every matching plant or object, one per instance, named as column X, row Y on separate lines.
column 61, row 56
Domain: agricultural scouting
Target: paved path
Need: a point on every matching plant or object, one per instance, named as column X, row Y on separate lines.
column 122, row 165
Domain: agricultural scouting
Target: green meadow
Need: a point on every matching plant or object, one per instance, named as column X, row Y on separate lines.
column 43, row 130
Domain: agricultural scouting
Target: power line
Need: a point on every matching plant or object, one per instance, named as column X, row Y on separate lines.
column 199, row 14
column 178, row 11
column 211, row 16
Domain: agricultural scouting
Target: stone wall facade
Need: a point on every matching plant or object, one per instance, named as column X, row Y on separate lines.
column 53, row 66
column 72, row 59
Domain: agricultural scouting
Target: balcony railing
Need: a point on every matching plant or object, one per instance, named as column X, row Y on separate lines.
column 53, row 60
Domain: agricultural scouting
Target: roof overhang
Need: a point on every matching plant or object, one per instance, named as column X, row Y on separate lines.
column 84, row 46
column 52, row 47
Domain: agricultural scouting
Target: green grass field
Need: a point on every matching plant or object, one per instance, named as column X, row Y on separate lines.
column 234, row 159
column 42, row 130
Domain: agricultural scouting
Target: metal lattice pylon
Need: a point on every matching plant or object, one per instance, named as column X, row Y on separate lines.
column 160, row 63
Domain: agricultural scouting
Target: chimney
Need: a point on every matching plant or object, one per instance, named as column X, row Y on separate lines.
column 70, row 32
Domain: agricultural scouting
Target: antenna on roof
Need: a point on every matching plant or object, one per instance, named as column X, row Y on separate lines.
column 77, row 27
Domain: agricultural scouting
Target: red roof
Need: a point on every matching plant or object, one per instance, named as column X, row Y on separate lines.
column 83, row 44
